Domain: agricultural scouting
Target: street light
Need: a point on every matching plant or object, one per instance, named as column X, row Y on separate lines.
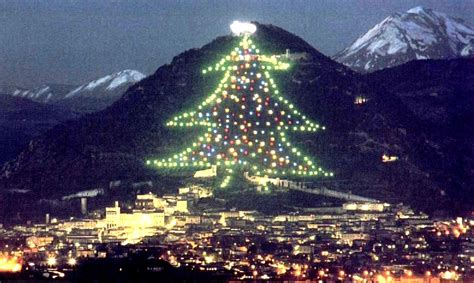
column 72, row 261
column 51, row 261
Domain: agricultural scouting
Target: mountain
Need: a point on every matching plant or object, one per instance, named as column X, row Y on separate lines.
column 437, row 96
column 89, row 97
column 417, row 34
column 48, row 93
column 364, row 118
column 100, row 93
column 27, row 113
column 22, row 120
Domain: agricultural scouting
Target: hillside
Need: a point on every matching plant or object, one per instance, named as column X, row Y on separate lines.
column 113, row 144
column 22, row 120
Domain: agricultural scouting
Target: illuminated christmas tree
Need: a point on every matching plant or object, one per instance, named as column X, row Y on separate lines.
column 247, row 121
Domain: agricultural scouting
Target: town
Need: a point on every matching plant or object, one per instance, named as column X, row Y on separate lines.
column 190, row 230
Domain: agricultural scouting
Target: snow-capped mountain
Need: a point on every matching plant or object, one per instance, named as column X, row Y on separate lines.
column 108, row 84
column 419, row 33
column 100, row 93
column 89, row 97
column 49, row 93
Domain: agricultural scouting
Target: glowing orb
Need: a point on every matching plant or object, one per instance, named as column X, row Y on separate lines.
column 72, row 261
column 51, row 261
column 239, row 28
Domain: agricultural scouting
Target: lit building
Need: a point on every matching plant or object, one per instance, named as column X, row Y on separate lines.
column 133, row 226
column 359, row 100
column 149, row 201
column 364, row 206
column 84, row 236
column 206, row 173
column 39, row 241
column 182, row 205
column 114, row 218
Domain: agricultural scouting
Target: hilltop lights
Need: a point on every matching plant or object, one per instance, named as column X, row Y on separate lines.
column 240, row 28
column 246, row 121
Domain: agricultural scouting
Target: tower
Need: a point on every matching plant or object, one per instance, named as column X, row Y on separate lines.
column 83, row 206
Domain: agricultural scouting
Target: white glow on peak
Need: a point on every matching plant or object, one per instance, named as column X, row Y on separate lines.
column 239, row 28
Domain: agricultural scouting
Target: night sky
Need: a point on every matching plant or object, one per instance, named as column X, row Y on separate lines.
column 76, row 41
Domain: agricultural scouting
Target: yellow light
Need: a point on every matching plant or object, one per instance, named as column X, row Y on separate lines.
column 72, row 261
column 9, row 264
column 449, row 275
column 51, row 261
column 381, row 279
column 231, row 80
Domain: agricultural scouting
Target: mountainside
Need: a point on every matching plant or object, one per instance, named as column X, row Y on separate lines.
column 22, row 120
column 417, row 34
column 89, row 97
column 112, row 144
column 439, row 95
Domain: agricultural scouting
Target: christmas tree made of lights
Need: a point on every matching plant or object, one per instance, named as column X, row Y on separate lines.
column 247, row 122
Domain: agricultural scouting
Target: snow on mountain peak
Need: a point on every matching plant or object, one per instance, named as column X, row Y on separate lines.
column 419, row 33
column 417, row 10
column 43, row 93
column 109, row 82
column 125, row 76
column 89, row 97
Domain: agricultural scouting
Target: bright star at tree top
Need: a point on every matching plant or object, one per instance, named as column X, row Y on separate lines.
column 239, row 28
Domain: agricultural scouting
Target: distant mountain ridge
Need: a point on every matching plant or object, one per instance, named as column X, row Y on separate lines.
column 100, row 93
column 419, row 33
column 25, row 114
column 89, row 97
column 46, row 93
column 107, row 83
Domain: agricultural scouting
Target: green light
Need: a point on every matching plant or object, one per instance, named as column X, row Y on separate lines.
column 259, row 145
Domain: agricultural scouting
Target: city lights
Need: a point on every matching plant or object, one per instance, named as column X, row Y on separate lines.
column 249, row 245
column 9, row 264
